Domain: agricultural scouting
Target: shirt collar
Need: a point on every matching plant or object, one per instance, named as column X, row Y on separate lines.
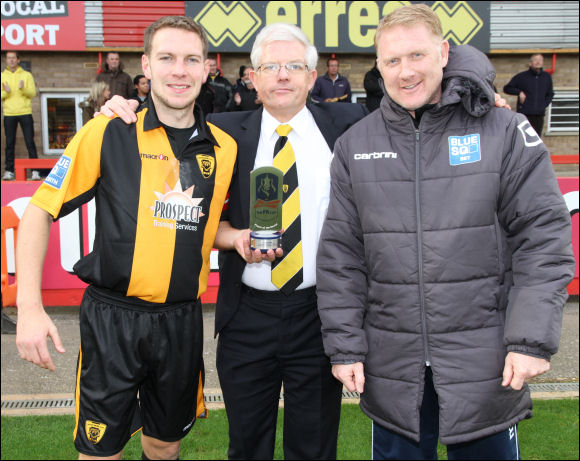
column 299, row 123
column 152, row 121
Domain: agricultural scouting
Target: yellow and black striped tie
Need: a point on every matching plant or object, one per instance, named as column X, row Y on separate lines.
column 287, row 271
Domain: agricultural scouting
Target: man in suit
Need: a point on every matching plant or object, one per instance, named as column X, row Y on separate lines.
column 269, row 336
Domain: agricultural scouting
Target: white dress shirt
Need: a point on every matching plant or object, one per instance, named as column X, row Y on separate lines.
column 313, row 158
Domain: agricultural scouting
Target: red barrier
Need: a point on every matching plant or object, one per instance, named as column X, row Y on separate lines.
column 23, row 164
column 71, row 238
column 10, row 220
column 564, row 159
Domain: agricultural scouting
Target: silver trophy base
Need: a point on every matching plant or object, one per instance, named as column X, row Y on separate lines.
column 265, row 241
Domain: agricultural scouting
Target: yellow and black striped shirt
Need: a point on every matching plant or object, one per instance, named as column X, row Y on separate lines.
column 157, row 213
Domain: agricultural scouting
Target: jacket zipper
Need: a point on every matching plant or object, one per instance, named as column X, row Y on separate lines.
column 420, row 247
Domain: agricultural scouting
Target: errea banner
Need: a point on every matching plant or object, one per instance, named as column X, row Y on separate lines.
column 339, row 27
column 43, row 26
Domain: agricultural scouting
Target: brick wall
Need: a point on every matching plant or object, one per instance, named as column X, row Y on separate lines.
column 78, row 70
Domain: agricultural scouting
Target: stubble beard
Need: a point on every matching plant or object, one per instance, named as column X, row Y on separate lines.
column 161, row 99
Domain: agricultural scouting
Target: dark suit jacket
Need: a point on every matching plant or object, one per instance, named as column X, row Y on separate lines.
column 244, row 127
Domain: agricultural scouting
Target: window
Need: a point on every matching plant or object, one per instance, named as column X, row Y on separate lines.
column 359, row 96
column 61, row 119
column 563, row 112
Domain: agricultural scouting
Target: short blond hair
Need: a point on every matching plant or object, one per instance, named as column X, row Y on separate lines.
column 411, row 15
column 174, row 22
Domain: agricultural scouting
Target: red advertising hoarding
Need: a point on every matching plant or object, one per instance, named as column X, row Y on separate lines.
column 72, row 237
column 43, row 26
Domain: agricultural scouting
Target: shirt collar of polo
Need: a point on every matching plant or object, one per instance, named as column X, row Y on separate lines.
column 299, row 123
column 152, row 122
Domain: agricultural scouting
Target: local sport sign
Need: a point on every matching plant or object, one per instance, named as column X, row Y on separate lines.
column 43, row 26
column 339, row 27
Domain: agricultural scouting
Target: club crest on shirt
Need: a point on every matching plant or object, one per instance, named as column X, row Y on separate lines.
column 530, row 136
column 95, row 431
column 206, row 164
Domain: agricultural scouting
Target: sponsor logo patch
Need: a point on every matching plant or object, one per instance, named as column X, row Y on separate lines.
column 154, row 156
column 177, row 209
column 95, row 431
column 464, row 149
column 375, row 155
column 56, row 176
column 531, row 138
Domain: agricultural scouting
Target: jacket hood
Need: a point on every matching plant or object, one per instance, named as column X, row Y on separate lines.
column 467, row 78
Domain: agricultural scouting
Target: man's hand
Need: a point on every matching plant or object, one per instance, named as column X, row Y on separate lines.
column 242, row 246
column 519, row 368
column 501, row 102
column 522, row 97
column 32, row 329
column 351, row 375
column 237, row 99
column 6, row 87
column 124, row 108
column 21, row 84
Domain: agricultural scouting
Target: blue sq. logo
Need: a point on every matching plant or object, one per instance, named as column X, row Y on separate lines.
column 56, row 176
column 464, row 149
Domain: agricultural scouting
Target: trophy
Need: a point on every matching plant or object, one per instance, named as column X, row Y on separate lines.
column 266, row 193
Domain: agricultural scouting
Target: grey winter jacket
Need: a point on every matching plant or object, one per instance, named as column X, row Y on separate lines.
column 448, row 245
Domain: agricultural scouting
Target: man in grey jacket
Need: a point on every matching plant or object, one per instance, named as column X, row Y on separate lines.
column 445, row 255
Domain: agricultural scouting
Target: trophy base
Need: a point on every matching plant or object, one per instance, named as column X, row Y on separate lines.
column 265, row 241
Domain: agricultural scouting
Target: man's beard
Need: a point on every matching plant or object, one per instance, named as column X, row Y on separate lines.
column 159, row 98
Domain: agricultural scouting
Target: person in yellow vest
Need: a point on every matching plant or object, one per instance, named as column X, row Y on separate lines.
column 17, row 90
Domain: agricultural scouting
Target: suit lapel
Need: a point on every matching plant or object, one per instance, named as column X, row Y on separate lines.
column 247, row 150
column 325, row 121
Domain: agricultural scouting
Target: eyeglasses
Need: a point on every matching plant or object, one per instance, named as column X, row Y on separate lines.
column 273, row 68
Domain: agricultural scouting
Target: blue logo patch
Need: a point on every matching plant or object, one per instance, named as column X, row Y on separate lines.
column 464, row 149
column 58, row 172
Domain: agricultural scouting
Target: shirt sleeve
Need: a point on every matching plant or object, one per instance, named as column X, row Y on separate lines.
column 29, row 88
column 537, row 225
column 341, row 271
column 72, row 182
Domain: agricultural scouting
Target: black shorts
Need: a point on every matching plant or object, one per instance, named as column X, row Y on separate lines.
column 140, row 364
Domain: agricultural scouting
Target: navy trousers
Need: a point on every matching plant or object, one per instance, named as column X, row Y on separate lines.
column 10, row 125
column 389, row 445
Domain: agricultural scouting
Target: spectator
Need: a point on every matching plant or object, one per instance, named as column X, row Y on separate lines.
column 533, row 88
column 445, row 254
column 18, row 89
column 331, row 87
column 119, row 82
column 206, row 98
column 373, row 88
column 98, row 95
column 241, row 79
column 221, row 86
column 142, row 87
column 245, row 95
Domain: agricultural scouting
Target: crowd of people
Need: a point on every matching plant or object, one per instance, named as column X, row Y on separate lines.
column 424, row 259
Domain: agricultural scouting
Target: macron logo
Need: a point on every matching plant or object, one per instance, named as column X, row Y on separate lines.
column 375, row 155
